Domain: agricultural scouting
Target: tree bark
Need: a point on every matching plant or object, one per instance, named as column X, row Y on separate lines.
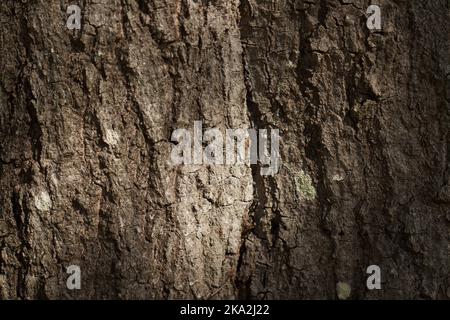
column 86, row 122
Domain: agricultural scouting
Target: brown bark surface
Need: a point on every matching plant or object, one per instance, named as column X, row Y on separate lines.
column 86, row 119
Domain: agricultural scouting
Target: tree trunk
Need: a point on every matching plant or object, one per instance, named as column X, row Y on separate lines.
column 86, row 123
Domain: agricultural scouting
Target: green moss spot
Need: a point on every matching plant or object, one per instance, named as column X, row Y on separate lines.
column 305, row 186
column 343, row 290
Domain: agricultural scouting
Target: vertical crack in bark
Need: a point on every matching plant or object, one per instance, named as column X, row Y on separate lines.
column 265, row 188
column 21, row 216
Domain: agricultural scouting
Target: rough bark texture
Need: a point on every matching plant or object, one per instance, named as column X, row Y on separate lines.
column 86, row 118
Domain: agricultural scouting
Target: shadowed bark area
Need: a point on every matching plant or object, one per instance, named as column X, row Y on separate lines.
column 86, row 122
